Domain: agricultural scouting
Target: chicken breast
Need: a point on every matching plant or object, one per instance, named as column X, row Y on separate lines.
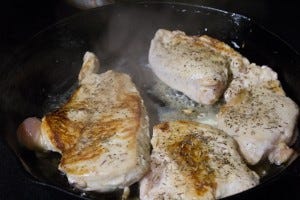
column 197, row 66
column 249, row 76
column 262, row 121
column 194, row 161
column 102, row 132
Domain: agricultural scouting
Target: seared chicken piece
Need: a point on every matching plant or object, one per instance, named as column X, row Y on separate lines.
column 102, row 132
column 194, row 161
column 197, row 66
column 262, row 121
column 249, row 76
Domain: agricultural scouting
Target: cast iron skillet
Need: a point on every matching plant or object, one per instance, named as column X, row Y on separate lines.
column 40, row 76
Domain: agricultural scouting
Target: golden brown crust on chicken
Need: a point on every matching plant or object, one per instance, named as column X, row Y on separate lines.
column 194, row 161
column 101, row 132
column 65, row 132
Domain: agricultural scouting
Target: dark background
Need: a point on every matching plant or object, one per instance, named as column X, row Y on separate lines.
column 20, row 20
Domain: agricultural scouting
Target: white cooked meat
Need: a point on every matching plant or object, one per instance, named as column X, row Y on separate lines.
column 262, row 121
column 194, row 161
column 249, row 76
column 197, row 66
column 102, row 132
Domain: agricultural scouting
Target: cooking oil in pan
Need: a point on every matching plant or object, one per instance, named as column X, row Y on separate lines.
column 173, row 105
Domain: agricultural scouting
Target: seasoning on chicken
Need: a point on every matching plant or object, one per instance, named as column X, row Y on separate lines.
column 262, row 121
column 197, row 66
column 194, row 161
column 249, row 76
column 102, row 132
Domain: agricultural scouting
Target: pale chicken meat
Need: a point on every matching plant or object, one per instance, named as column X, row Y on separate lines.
column 262, row 121
column 249, row 76
column 198, row 66
column 258, row 114
column 194, row 161
column 102, row 132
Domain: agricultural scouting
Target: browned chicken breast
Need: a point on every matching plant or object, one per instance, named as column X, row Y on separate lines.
column 194, row 161
column 262, row 120
column 101, row 132
column 197, row 66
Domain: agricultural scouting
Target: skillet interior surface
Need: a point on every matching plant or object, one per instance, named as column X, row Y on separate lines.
column 42, row 74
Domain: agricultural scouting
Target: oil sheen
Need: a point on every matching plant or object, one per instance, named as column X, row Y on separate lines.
column 174, row 105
